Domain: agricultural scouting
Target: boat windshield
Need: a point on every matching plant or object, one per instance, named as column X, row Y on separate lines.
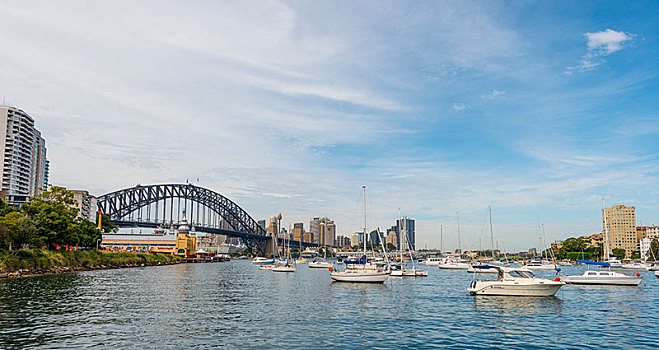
column 521, row 274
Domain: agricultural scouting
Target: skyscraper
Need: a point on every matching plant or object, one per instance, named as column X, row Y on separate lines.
column 406, row 228
column 324, row 231
column 619, row 223
column 298, row 231
column 23, row 153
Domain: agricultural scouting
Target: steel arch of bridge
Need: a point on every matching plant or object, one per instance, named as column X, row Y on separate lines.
column 122, row 205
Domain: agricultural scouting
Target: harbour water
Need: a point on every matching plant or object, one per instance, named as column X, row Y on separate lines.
column 236, row 305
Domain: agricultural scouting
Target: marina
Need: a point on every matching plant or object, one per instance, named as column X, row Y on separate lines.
column 236, row 305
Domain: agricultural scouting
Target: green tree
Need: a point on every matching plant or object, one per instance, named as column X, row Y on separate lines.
column 53, row 215
column 654, row 249
column 618, row 252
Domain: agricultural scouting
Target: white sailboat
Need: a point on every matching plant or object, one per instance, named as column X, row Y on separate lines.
column 603, row 277
column 484, row 268
column 288, row 265
column 320, row 263
column 361, row 271
column 457, row 263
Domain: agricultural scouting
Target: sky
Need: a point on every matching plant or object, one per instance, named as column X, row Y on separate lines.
column 536, row 108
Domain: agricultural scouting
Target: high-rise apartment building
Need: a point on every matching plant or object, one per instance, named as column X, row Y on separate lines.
column 342, row 241
column 308, row 237
column 86, row 204
column 619, row 223
column 392, row 236
column 23, row 154
column 298, row 231
column 324, row 231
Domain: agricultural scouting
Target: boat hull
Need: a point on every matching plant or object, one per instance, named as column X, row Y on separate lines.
column 616, row 281
column 526, row 290
column 359, row 277
column 319, row 264
column 450, row 266
column 283, row 269
column 403, row 273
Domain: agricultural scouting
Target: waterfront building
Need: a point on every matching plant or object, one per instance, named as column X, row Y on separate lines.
column 594, row 240
column 86, row 204
column 262, row 224
column 157, row 242
column 532, row 252
column 324, row 231
column 23, row 153
column 557, row 245
column 620, row 221
column 652, row 232
column 186, row 243
column 374, row 238
column 308, row 237
column 298, row 231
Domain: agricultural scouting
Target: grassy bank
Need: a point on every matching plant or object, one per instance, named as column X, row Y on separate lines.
column 34, row 261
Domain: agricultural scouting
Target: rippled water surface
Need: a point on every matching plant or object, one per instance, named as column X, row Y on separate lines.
column 236, row 305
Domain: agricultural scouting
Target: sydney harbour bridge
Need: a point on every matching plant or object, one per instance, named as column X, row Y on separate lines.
column 165, row 205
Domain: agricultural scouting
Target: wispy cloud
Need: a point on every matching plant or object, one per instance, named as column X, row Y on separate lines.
column 459, row 107
column 600, row 44
column 492, row 94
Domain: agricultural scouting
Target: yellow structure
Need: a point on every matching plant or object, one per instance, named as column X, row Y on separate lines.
column 619, row 222
column 185, row 244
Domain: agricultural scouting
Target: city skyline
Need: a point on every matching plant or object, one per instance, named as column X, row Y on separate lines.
column 538, row 109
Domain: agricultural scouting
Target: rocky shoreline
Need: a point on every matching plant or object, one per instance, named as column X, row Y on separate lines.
column 68, row 269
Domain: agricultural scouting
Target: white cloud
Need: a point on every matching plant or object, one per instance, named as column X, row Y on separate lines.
column 459, row 107
column 600, row 44
column 492, row 94
column 606, row 42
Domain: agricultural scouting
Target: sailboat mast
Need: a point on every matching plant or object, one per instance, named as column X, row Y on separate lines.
column 491, row 233
column 441, row 239
column 459, row 245
column 400, row 238
column 606, row 251
column 364, row 188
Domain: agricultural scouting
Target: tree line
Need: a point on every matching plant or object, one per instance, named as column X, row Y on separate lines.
column 48, row 220
column 576, row 248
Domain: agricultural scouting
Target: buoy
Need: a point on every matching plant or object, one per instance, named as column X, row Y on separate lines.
column 378, row 270
column 638, row 274
column 331, row 269
column 557, row 279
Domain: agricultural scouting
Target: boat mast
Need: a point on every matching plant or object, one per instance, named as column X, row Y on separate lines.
column 491, row 233
column 441, row 239
column 364, row 188
column 606, row 251
column 459, row 245
column 400, row 239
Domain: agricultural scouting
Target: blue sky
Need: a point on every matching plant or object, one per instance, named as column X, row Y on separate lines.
column 537, row 108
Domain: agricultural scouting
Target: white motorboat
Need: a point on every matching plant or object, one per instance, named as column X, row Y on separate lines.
column 653, row 267
column 635, row 266
column 656, row 273
column 432, row 261
column 615, row 263
column 515, row 281
column 454, row 265
column 565, row 263
column 540, row 265
column 603, row 277
column 259, row 260
column 318, row 264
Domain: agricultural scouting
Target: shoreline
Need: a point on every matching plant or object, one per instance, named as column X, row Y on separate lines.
column 37, row 262
column 24, row 273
